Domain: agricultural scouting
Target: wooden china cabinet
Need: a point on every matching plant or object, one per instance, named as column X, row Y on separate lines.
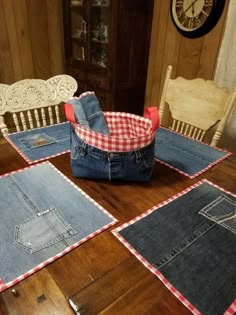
column 107, row 48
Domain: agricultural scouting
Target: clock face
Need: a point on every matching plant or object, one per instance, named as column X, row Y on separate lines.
column 194, row 18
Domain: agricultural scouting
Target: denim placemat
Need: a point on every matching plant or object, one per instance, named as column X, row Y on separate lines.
column 189, row 243
column 187, row 156
column 41, row 143
column 43, row 216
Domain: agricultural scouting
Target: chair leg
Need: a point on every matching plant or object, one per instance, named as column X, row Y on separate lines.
column 3, row 127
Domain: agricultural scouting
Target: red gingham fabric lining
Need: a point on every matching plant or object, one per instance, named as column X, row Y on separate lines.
column 128, row 132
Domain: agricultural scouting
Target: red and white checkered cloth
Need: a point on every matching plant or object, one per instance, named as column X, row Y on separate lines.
column 128, row 132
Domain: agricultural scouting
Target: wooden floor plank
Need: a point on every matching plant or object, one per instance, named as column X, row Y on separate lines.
column 38, row 295
column 82, row 267
column 111, row 286
column 138, row 298
column 169, row 305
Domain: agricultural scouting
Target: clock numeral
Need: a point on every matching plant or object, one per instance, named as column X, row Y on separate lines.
column 184, row 21
column 208, row 3
column 191, row 23
column 197, row 21
column 205, row 13
column 179, row 3
column 180, row 12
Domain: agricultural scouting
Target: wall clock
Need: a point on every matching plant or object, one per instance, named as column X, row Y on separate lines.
column 195, row 18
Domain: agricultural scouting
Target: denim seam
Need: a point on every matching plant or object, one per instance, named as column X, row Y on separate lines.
column 139, row 156
column 58, row 237
column 177, row 250
column 94, row 115
column 219, row 223
column 109, row 169
column 206, row 209
column 21, row 194
column 30, row 146
column 212, row 204
column 185, row 151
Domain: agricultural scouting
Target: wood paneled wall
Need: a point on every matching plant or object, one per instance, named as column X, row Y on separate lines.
column 190, row 58
column 31, row 44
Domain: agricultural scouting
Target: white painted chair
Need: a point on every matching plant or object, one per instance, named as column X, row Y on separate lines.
column 34, row 102
column 195, row 107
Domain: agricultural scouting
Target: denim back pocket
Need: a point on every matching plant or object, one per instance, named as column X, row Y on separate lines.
column 42, row 230
column 222, row 211
column 37, row 140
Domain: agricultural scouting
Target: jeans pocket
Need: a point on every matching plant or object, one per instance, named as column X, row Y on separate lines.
column 221, row 210
column 148, row 156
column 37, row 140
column 42, row 230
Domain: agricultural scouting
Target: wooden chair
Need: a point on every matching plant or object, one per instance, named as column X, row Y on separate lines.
column 195, row 107
column 34, row 102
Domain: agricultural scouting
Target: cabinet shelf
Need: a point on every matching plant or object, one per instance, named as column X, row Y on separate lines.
column 106, row 49
column 75, row 3
column 97, row 41
column 76, row 6
column 100, row 6
column 75, row 36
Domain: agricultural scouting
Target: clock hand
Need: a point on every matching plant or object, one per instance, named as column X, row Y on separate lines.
column 193, row 9
column 191, row 5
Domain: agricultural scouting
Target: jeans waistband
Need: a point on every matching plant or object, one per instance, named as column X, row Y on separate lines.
column 84, row 147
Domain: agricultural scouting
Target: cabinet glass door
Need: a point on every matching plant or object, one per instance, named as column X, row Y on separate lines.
column 78, row 29
column 99, row 32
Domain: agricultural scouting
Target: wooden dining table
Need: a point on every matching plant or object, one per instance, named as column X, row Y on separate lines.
column 101, row 276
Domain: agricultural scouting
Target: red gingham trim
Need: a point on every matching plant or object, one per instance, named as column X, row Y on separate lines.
column 203, row 170
column 232, row 309
column 156, row 272
column 24, row 156
column 128, row 132
column 4, row 286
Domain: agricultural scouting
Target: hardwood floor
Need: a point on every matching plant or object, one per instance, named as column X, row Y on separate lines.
column 2, row 140
column 38, row 295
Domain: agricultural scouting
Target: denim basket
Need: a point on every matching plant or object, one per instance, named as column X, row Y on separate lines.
column 110, row 145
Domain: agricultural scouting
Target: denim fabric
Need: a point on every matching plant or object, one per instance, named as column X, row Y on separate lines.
column 90, row 162
column 192, row 242
column 41, row 143
column 89, row 114
column 42, row 230
column 183, row 153
column 41, row 215
column 37, row 140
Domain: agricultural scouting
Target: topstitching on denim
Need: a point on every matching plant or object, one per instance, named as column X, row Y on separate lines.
column 37, row 229
column 222, row 211
column 88, row 113
column 196, row 255
column 42, row 230
column 88, row 161
column 45, row 187
column 20, row 193
column 180, row 148
column 57, row 141
column 37, row 140
column 174, row 252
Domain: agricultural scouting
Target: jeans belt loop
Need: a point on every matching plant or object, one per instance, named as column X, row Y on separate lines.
column 138, row 156
column 82, row 150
